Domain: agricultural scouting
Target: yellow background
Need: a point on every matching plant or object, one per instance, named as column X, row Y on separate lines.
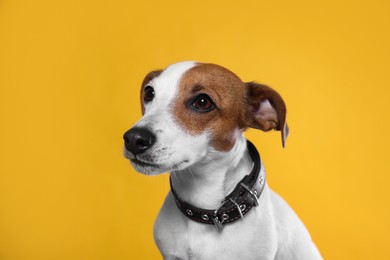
column 70, row 73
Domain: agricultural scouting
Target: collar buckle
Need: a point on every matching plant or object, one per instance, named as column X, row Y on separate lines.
column 251, row 192
column 217, row 223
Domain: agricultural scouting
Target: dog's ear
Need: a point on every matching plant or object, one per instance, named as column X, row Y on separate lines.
column 266, row 109
column 151, row 75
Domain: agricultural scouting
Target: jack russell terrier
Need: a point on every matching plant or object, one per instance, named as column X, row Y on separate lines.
column 219, row 206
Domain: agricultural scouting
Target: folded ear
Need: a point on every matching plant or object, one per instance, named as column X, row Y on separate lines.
column 266, row 109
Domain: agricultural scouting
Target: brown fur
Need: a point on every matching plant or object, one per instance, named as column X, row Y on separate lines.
column 238, row 105
column 227, row 92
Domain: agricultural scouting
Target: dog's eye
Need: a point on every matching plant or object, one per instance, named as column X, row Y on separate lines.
column 203, row 103
column 149, row 94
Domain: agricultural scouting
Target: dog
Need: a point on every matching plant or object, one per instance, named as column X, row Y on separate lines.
column 219, row 205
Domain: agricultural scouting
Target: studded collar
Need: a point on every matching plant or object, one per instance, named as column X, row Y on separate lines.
column 245, row 195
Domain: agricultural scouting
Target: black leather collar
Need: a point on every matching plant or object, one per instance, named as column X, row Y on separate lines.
column 235, row 205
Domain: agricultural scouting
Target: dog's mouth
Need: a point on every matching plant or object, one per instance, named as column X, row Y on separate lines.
column 153, row 168
column 143, row 163
column 150, row 167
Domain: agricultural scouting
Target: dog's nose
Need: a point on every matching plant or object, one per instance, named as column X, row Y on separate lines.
column 138, row 140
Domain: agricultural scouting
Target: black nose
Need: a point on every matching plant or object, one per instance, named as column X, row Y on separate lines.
column 138, row 140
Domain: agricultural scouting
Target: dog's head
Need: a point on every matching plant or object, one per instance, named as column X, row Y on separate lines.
column 190, row 109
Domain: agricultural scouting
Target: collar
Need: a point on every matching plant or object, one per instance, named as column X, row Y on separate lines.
column 245, row 196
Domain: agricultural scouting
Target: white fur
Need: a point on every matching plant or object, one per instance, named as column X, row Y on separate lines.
column 203, row 176
column 170, row 137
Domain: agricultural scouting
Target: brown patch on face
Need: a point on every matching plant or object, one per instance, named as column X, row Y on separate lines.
column 228, row 94
column 151, row 75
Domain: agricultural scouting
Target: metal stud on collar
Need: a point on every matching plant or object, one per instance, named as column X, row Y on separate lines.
column 261, row 180
column 189, row 212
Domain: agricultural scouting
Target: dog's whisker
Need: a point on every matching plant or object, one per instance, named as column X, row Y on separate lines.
column 176, row 177
column 180, row 173
column 191, row 172
column 173, row 172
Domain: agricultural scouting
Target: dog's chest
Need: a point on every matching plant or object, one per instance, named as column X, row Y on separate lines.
column 201, row 242
column 181, row 238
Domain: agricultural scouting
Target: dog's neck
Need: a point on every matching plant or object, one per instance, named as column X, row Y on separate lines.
column 206, row 183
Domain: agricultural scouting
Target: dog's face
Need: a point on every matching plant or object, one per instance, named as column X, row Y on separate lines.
column 191, row 110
